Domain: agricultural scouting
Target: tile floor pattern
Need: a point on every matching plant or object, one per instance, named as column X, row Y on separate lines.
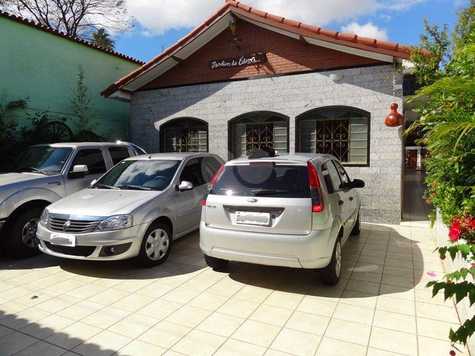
column 381, row 307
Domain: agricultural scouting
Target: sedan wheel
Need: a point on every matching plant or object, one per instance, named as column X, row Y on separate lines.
column 157, row 244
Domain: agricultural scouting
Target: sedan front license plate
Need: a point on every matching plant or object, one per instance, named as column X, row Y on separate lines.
column 63, row 240
column 252, row 218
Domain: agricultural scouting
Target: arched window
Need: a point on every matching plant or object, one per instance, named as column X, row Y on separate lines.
column 184, row 135
column 258, row 130
column 338, row 130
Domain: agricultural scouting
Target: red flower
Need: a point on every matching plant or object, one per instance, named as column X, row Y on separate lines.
column 471, row 223
column 455, row 230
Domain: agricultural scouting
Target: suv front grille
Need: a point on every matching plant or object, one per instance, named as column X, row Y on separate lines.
column 76, row 226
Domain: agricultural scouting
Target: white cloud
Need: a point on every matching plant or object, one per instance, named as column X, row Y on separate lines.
column 158, row 16
column 366, row 30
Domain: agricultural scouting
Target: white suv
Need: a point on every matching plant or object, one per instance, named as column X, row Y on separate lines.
column 293, row 211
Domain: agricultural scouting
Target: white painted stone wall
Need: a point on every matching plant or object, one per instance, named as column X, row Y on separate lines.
column 370, row 88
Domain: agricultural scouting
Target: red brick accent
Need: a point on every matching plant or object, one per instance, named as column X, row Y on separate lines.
column 285, row 55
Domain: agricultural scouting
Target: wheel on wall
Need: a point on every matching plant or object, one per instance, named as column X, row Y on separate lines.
column 216, row 264
column 330, row 275
column 20, row 234
column 156, row 245
column 357, row 228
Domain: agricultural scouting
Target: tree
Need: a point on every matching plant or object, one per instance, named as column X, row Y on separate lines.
column 465, row 28
column 81, row 102
column 447, row 118
column 436, row 41
column 76, row 18
column 101, row 38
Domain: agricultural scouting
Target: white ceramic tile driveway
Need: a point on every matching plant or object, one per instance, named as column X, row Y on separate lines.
column 380, row 308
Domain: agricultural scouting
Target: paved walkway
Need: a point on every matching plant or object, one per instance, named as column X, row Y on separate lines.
column 380, row 308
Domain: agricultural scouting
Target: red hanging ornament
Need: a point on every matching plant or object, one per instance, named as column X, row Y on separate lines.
column 394, row 118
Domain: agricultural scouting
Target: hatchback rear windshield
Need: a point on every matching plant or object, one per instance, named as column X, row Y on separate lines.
column 263, row 180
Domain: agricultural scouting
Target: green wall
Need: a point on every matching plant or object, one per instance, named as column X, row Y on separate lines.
column 42, row 68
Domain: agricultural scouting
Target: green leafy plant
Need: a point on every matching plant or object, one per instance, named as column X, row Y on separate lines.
column 81, row 102
column 446, row 105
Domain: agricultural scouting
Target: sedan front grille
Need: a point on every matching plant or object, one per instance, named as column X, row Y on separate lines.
column 76, row 226
column 82, row 251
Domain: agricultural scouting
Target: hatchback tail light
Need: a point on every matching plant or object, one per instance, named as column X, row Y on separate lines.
column 216, row 176
column 315, row 188
column 212, row 182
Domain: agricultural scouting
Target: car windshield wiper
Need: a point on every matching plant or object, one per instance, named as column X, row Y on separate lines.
column 104, row 186
column 31, row 169
column 133, row 187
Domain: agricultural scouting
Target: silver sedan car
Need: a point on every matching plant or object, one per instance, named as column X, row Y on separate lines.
column 135, row 210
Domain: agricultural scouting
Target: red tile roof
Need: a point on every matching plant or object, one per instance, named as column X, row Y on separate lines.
column 81, row 41
column 340, row 38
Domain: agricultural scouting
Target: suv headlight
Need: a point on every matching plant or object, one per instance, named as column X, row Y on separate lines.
column 44, row 217
column 115, row 222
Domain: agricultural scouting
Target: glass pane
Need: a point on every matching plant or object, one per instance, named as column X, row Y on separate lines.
column 337, row 131
column 264, row 181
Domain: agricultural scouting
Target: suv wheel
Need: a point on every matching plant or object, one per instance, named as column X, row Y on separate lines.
column 20, row 235
column 330, row 275
column 216, row 264
column 357, row 228
column 156, row 245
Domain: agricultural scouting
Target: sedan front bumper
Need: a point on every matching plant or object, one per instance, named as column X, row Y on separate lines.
column 91, row 246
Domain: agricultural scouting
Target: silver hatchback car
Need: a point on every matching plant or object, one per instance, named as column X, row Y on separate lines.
column 293, row 211
column 135, row 210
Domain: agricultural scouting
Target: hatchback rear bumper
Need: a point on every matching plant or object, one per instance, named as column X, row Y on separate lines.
column 298, row 251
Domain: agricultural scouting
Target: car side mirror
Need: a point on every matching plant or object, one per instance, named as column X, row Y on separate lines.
column 357, row 183
column 93, row 183
column 79, row 171
column 185, row 185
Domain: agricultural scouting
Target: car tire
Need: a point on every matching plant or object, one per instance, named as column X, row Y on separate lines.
column 357, row 228
column 330, row 275
column 217, row 264
column 20, row 234
column 156, row 245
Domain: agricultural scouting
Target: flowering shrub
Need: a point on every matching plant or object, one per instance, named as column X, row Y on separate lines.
column 459, row 284
column 447, row 119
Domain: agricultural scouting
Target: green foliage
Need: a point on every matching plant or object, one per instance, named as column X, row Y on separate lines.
column 465, row 29
column 459, row 284
column 435, row 41
column 101, row 38
column 446, row 105
column 81, row 102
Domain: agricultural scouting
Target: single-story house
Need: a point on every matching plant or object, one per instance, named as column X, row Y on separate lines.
column 246, row 79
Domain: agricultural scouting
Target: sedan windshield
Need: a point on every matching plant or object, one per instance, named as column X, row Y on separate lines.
column 139, row 175
column 43, row 159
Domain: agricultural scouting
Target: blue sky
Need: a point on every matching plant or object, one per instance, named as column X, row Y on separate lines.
column 397, row 20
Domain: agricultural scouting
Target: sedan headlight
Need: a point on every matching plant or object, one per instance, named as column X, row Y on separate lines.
column 115, row 222
column 44, row 217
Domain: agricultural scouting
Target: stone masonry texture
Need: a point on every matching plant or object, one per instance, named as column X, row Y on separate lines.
column 371, row 88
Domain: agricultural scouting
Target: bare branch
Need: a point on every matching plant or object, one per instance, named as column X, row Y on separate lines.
column 73, row 17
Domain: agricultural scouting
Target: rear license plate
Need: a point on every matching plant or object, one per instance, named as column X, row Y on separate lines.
column 63, row 240
column 252, row 218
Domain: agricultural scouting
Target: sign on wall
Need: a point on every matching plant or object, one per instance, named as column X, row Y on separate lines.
column 242, row 61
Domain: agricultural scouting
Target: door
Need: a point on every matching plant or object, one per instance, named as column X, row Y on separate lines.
column 348, row 199
column 118, row 153
column 93, row 158
column 188, row 202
